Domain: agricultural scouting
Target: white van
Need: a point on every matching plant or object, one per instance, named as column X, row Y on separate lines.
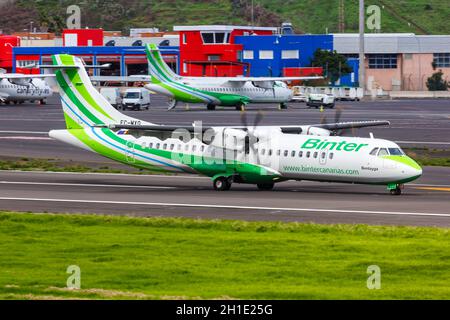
column 136, row 99
column 113, row 96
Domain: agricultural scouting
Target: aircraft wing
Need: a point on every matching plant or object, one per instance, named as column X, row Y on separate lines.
column 264, row 81
column 136, row 78
column 25, row 76
column 352, row 124
column 285, row 129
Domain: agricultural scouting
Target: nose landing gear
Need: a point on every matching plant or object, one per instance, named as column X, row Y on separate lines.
column 395, row 189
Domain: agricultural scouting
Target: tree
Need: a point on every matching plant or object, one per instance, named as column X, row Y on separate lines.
column 436, row 82
column 334, row 64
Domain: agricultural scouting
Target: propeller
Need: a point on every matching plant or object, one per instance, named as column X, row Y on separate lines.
column 337, row 118
column 253, row 139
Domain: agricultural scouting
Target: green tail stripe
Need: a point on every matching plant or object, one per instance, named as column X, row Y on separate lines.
column 78, row 84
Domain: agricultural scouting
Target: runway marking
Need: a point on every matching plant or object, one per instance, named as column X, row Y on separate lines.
column 25, row 132
column 26, row 138
column 190, row 205
column 85, row 185
column 423, row 142
column 108, row 174
column 433, row 188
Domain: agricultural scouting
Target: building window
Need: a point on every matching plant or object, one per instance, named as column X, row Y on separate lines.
column 214, row 57
column 215, row 37
column 442, row 60
column 248, row 54
column 382, row 61
column 184, row 38
column 290, row 54
column 266, row 54
column 185, row 67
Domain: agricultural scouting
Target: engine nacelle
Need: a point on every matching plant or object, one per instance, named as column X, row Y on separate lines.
column 315, row 131
column 231, row 139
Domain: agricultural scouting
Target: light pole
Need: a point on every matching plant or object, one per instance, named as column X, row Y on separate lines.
column 362, row 62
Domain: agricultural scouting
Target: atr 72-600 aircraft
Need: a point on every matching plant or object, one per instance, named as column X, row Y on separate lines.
column 254, row 155
column 215, row 91
column 18, row 88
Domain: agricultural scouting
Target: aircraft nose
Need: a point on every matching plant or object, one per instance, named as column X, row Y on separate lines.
column 412, row 168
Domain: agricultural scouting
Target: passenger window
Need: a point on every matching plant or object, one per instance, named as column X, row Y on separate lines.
column 194, row 148
column 165, row 146
column 203, row 148
column 300, row 154
column 263, row 151
column 278, row 152
column 179, row 147
column 374, row 152
column 308, row 154
column 270, row 152
column 316, row 154
column 157, row 145
column 331, row 156
column 293, row 153
column 383, row 152
column 323, row 155
column 286, row 153
column 186, row 148
column 172, row 146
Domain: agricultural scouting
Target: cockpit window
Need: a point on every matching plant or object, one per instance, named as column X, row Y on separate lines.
column 396, row 152
column 383, row 152
column 374, row 152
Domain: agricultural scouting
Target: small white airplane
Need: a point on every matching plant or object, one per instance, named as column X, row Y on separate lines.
column 18, row 88
column 259, row 155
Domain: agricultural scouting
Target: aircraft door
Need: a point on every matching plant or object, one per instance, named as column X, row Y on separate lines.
column 130, row 152
column 323, row 157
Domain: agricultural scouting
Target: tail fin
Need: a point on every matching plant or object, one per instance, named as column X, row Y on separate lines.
column 159, row 70
column 83, row 105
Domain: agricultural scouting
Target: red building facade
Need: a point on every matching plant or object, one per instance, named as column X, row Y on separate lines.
column 211, row 50
column 6, row 48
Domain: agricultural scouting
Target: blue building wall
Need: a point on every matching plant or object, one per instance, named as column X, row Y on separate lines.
column 94, row 51
column 306, row 44
column 352, row 79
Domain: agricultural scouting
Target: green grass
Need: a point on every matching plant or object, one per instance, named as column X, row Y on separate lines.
column 308, row 16
column 26, row 164
column 160, row 258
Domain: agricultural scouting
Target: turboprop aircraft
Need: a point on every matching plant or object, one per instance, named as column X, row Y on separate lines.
column 259, row 155
column 216, row 91
column 19, row 88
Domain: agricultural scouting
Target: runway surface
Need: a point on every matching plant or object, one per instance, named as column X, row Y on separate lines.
column 425, row 203
column 420, row 123
column 414, row 123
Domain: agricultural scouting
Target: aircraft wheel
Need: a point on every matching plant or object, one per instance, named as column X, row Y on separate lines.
column 211, row 107
column 283, row 106
column 222, row 184
column 396, row 192
column 265, row 186
column 240, row 107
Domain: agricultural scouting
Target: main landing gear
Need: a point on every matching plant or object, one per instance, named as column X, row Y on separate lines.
column 282, row 106
column 395, row 189
column 224, row 184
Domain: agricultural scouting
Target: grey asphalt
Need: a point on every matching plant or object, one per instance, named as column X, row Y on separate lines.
column 414, row 123
column 193, row 196
column 421, row 123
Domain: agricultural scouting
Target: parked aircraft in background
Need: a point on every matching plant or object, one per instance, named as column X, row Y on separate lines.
column 18, row 88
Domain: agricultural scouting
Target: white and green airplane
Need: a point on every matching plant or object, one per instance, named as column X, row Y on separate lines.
column 261, row 155
column 216, row 91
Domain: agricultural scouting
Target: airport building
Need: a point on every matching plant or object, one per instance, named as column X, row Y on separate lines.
column 394, row 62
column 397, row 62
